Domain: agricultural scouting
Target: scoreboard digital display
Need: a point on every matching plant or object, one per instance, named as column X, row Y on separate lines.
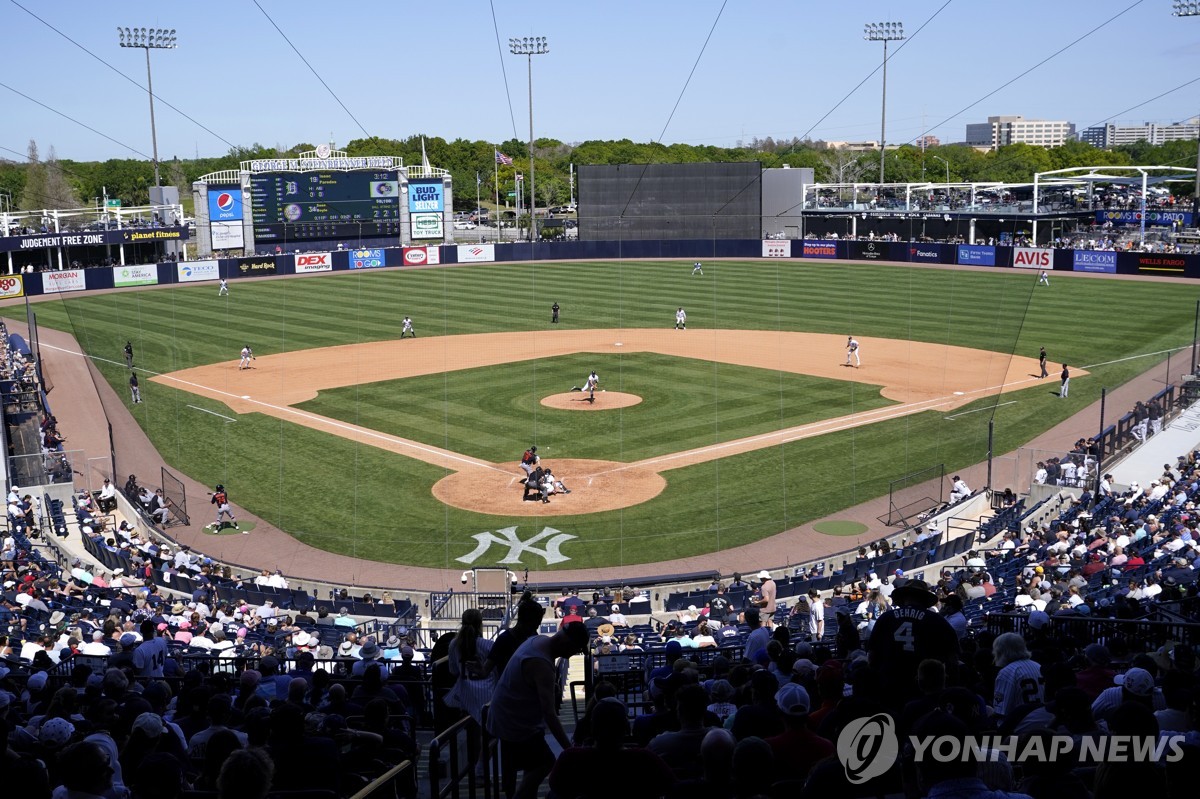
column 290, row 206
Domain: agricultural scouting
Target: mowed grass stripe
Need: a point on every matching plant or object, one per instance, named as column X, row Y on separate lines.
column 489, row 412
column 369, row 503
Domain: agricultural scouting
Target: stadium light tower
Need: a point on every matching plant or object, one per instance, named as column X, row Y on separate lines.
column 529, row 46
column 883, row 32
column 1182, row 9
column 149, row 39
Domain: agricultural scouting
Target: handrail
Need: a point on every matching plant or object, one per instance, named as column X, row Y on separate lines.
column 385, row 779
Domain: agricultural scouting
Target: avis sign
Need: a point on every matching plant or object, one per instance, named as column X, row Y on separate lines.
column 507, row 537
column 313, row 262
column 1032, row 258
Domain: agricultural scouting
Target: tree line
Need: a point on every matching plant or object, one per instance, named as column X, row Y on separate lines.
column 63, row 183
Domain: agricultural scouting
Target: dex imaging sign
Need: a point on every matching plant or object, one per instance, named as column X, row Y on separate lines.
column 313, row 262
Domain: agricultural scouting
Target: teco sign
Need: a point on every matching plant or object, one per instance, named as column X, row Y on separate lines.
column 314, row 262
column 1030, row 258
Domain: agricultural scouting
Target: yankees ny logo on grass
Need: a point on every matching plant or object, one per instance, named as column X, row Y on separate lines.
column 516, row 547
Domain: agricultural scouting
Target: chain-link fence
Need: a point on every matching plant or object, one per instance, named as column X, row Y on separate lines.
column 176, row 497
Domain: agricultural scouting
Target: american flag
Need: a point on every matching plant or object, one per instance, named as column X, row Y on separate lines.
column 501, row 158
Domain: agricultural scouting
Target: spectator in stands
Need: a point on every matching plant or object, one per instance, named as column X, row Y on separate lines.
column 797, row 749
column 529, row 618
column 107, row 498
column 524, row 709
column 616, row 618
column 680, row 749
column 816, row 616
column 578, row 770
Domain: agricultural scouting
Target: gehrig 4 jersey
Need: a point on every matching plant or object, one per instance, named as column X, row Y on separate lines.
column 903, row 637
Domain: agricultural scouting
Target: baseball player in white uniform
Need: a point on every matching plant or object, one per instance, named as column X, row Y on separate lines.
column 406, row 327
column 698, row 269
column 223, row 291
column 852, row 352
column 247, row 357
column 1044, row 279
column 681, row 319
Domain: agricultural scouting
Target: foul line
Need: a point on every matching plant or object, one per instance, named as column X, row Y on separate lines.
column 365, row 432
column 977, row 410
column 214, row 413
column 1135, row 357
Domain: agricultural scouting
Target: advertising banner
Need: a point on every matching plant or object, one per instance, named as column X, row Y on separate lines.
column 227, row 236
column 425, row 196
column 820, row 249
column 427, row 226
column 1154, row 263
column 1094, row 261
column 976, row 255
column 313, row 262
column 925, row 253
column 12, row 286
column 134, row 276
column 225, row 203
column 476, row 253
column 777, row 248
column 1153, row 218
column 872, row 251
column 66, row 280
column 255, row 267
column 195, row 271
column 40, row 241
column 366, row 259
column 418, row 256
column 1032, row 258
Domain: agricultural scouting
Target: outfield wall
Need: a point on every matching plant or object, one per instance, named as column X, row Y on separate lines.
column 314, row 262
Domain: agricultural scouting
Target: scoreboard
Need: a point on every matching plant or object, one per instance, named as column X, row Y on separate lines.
column 291, row 206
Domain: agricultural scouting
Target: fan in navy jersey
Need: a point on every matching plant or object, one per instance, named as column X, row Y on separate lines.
column 910, row 632
column 1019, row 681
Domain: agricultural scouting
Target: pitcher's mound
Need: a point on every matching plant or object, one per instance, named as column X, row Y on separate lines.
column 578, row 401
column 595, row 486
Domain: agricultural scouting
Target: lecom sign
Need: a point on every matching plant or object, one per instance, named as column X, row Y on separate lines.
column 313, row 262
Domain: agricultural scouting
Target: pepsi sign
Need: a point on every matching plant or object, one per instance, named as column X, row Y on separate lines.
column 225, row 203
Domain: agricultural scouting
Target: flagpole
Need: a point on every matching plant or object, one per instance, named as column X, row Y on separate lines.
column 496, row 163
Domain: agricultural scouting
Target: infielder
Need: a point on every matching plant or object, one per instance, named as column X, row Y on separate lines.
column 852, row 352
column 406, row 327
column 1044, row 279
column 221, row 500
column 223, row 291
column 698, row 269
column 247, row 357
column 681, row 319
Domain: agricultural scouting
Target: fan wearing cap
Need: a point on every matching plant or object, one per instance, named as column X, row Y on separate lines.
column 797, row 748
column 910, row 632
column 765, row 600
column 1135, row 685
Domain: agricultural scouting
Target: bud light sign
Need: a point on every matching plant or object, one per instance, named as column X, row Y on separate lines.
column 1094, row 261
column 225, row 203
column 425, row 195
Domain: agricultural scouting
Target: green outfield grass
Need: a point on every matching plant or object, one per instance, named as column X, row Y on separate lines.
column 373, row 504
column 491, row 412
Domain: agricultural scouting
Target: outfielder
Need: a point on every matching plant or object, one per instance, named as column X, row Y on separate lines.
column 681, row 319
column 852, row 352
column 698, row 269
column 221, row 500
column 1044, row 279
column 247, row 357
column 223, row 291
column 406, row 327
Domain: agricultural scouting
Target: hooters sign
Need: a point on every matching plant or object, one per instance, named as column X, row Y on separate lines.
column 1031, row 258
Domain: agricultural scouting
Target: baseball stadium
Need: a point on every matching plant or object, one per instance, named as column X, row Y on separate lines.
column 327, row 462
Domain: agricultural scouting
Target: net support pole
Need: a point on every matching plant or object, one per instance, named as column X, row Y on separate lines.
column 1195, row 338
column 991, row 441
column 1100, row 449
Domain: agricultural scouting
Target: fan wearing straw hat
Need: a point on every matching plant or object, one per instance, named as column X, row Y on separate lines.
column 912, row 631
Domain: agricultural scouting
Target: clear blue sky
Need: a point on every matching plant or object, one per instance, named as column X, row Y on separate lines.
column 615, row 70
